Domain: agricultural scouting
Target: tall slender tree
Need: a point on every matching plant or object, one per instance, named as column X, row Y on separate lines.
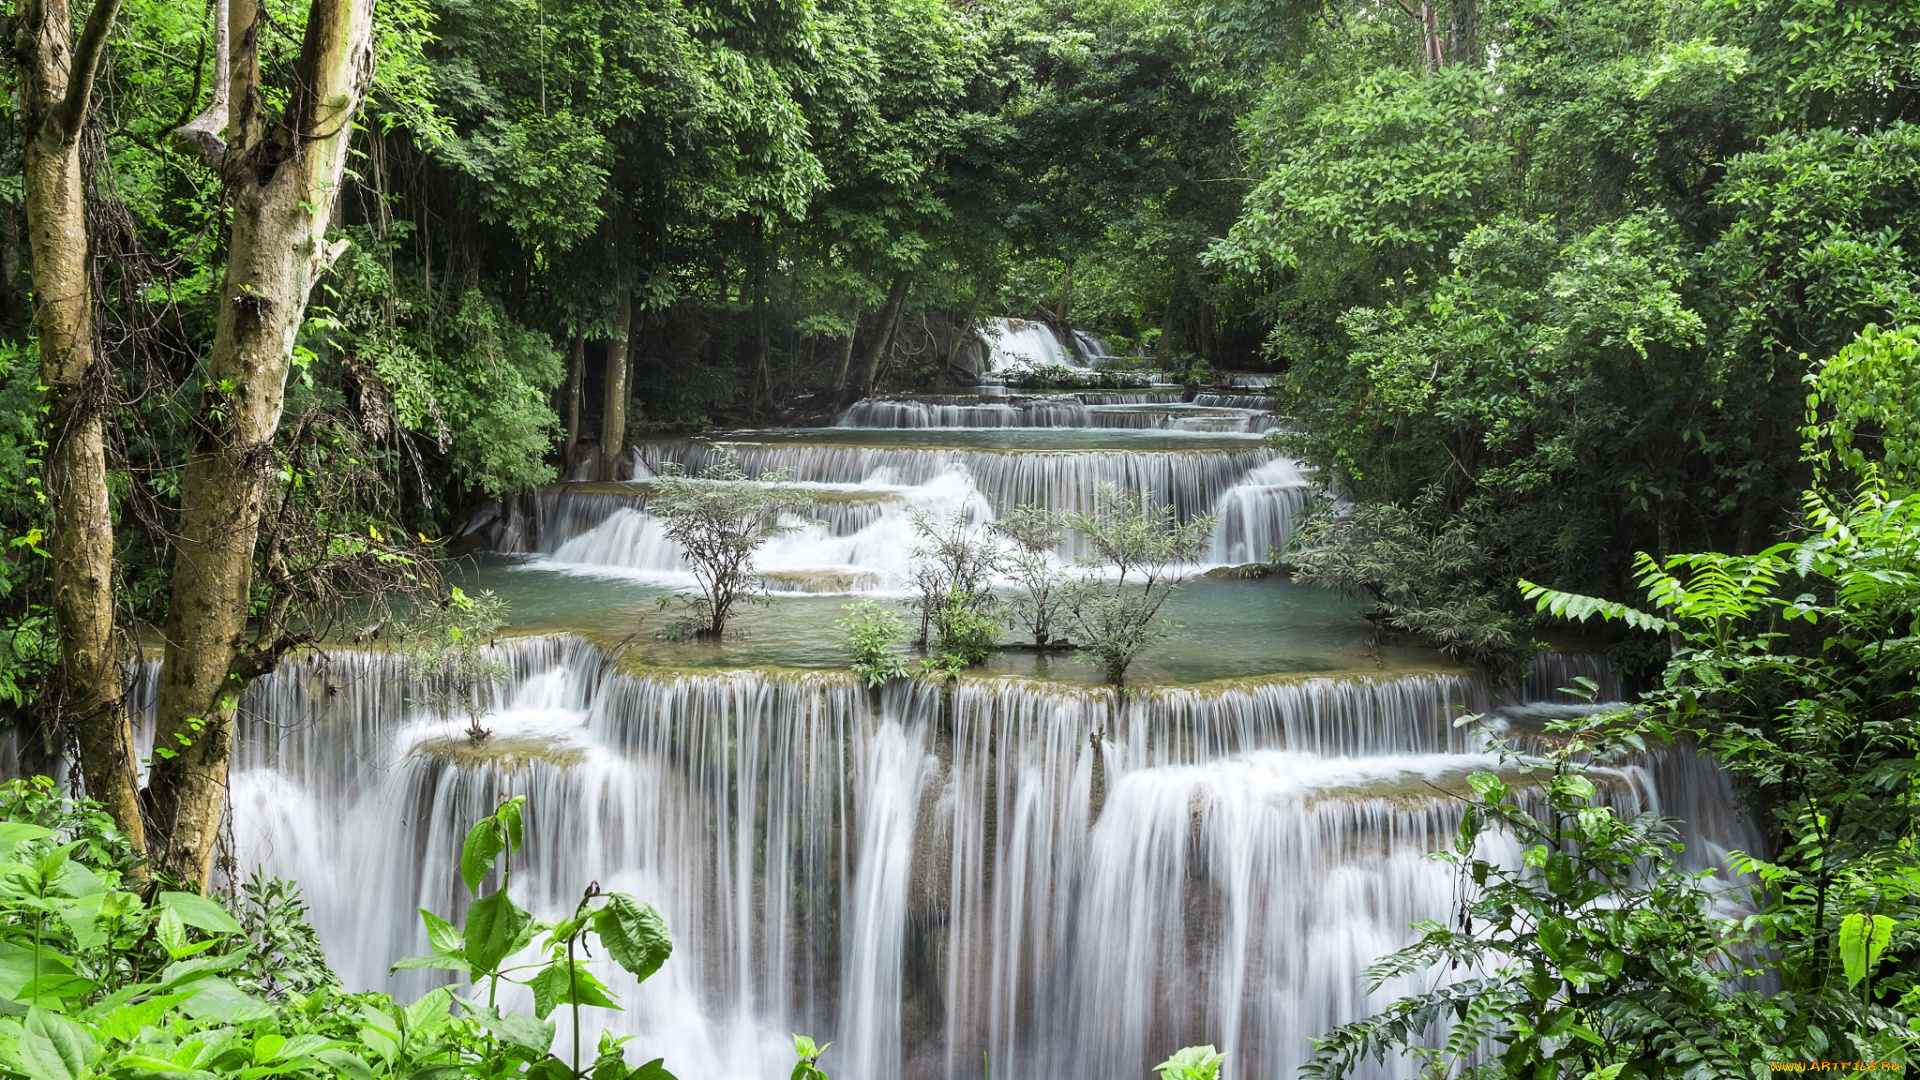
column 57, row 75
column 613, row 415
column 282, row 173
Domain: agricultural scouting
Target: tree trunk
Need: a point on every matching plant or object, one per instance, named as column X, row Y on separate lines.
column 613, row 413
column 576, row 372
column 56, row 84
column 966, row 328
column 282, row 178
column 762, row 341
column 846, row 350
column 883, row 334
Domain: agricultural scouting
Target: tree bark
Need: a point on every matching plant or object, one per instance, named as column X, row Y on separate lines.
column 613, row 414
column 56, row 85
column 576, row 373
column 966, row 328
column 883, row 334
column 282, row 179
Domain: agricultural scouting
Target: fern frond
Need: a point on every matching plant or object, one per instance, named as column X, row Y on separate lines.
column 1580, row 608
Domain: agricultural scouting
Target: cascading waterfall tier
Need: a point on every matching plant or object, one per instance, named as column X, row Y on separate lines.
column 860, row 530
column 1058, row 411
column 1190, row 481
column 1069, row 882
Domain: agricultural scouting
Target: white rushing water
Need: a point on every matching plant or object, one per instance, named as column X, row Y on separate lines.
column 1017, row 343
column 1069, row 883
column 861, row 536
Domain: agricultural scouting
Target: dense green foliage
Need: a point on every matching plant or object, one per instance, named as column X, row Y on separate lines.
column 1798, row 668
column 1567, row 263
column 104, row 973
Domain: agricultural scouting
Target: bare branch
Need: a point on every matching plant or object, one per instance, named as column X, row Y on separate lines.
column 202, row 133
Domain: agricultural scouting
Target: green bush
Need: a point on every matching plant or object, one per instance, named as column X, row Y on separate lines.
column 873, row 635
column 1057, row 377
column 968, row 632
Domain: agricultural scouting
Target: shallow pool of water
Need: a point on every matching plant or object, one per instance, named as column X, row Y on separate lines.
column 1226, row 629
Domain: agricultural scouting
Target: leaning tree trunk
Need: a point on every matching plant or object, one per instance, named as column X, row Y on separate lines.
column 56, row 82
column 846, row 350
column 282, row 177
column 883, row 334
column 613, row 413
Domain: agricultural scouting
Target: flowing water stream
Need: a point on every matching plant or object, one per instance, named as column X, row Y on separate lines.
column 1022, row 871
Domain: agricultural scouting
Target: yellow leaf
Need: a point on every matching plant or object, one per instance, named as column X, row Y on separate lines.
column 373, row 532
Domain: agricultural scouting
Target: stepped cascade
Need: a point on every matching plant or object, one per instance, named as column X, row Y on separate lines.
column 1068, row 881
column 1018, row 870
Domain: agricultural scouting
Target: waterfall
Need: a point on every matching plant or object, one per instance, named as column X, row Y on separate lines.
column 1257, row 402
column 1069, row 882
column 1025, row 343
column 1257, row 515
column 1056, row 411
column 861, row 532
column 1192, row 482
column 888, row 808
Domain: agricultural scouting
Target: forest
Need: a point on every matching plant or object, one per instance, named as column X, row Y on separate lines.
column 1221, row 538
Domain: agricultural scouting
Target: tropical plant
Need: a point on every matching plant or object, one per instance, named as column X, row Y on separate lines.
column 1138, row 550
column 1594, row 952
column 1192, row 1063
column 498, row 930
column 720, row 519
column 873, row 635
column 807, row 1068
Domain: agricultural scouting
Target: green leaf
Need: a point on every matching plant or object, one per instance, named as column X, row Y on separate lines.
column 652, row 1070
column 496, row 928
column 442, row 936
column 218, row 999
column 124, row 1023
column 566, row 983
column 482, row 846
column 436, row 963
column 514, row 1029
column 53, row 1047
column 199, row 912
column 635, row 935
column 1560, row 873
column 431, row 1013
column 1862, row 939
column 347, row 1063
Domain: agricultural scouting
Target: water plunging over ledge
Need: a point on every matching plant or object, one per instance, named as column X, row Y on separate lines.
column 1069, row 882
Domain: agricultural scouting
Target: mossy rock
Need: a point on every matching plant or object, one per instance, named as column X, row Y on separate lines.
column 506, row 753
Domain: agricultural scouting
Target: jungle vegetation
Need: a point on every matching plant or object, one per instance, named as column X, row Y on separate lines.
column 287, row 288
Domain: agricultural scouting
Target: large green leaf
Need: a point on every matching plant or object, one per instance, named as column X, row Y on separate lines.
column 564, row 982
column 635, row 935
column 1862, row 939
column 53, row 1047
column 199, row 912
column 496, row 928
column 497, row 832
column 482, row 846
